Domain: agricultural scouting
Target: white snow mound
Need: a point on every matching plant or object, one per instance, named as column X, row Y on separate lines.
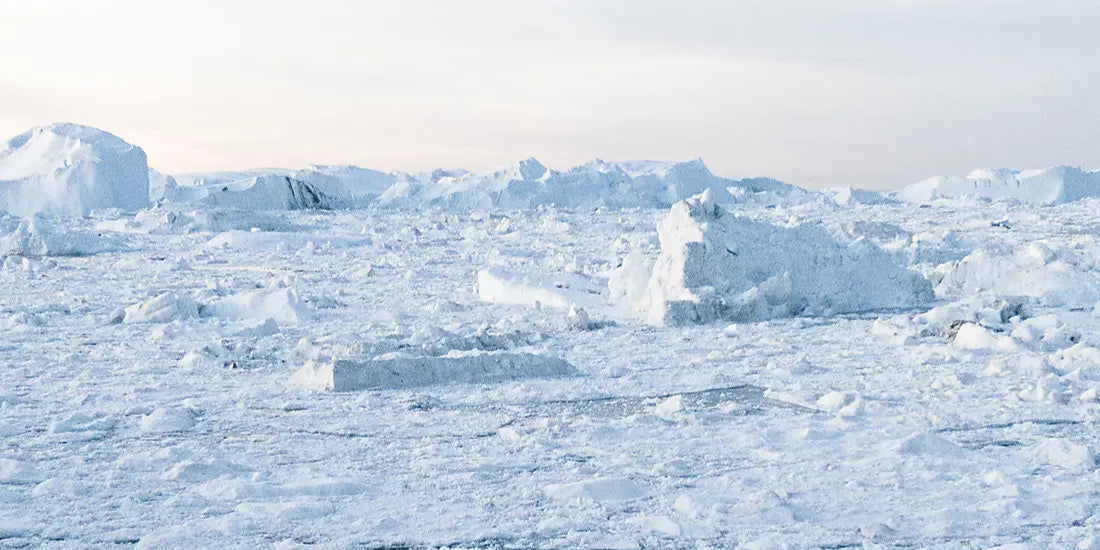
column 714, row 265
column 394, row 371
column 69, row 169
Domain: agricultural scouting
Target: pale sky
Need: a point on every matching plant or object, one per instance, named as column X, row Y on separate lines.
column 866, row 93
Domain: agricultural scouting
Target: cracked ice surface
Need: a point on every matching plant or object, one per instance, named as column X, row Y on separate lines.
column 878, row 429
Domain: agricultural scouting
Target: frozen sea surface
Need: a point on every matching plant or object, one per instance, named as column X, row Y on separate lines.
column 180, row 426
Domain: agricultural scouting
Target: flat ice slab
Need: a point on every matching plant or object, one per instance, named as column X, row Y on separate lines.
column 561, row 290
column 398, row 372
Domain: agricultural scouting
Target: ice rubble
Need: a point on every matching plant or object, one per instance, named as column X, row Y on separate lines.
column 279, row 304
column 38, row 236
column 1052, row 185
column 163, row 308
column 1053, row 273
column 70, row 169
column 714, row 265
column 396, row 370
column 563, row 291
column 177, row 219
column 1053, row 352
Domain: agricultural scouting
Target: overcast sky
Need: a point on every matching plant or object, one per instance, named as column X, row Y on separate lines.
column 865, row 93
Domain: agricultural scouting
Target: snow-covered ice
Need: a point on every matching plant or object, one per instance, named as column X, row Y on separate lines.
column 872, row 373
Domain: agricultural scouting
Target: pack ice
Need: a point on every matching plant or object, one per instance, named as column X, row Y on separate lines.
column 71, row 169
column 715, row 265
column 467, row 360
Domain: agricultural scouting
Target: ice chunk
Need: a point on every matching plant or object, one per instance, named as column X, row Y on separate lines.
column 975, row 336
column 37, row 236
column 167, row 419
column 930, row 444
column 597, row 490
column 1062, row 453
column 714, row 265
column 1052, row 273
column 280, row 304
column 164, row 308
column 563, row 291
column 395, row 371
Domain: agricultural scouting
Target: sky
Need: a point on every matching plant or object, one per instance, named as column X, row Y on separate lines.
column 873, row 94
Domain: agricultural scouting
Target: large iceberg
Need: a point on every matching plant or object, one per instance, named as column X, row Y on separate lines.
column 528, row 184
column 68, row 169
column 1053, row 185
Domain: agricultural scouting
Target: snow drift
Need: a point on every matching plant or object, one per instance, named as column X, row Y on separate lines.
column 69, row 169
column 1053, row 185
column 396, row 371
column 714, row 265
